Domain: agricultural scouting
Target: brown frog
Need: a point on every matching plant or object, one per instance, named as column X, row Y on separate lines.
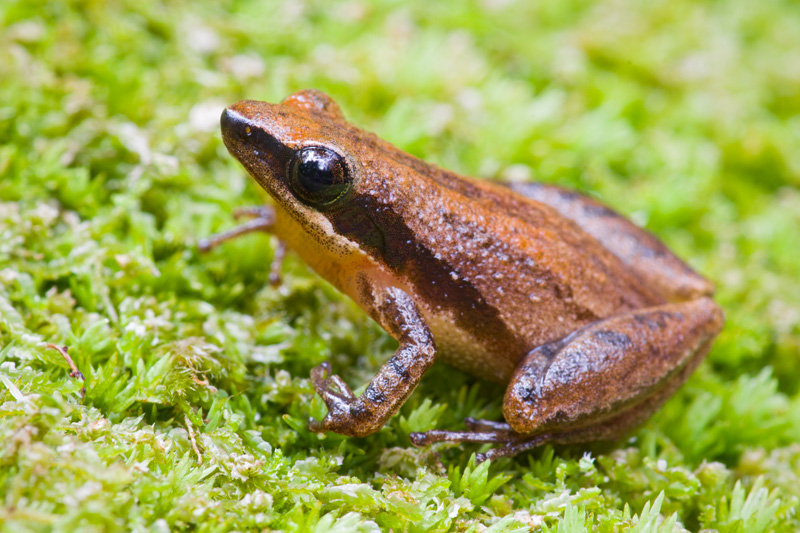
column 591, row 321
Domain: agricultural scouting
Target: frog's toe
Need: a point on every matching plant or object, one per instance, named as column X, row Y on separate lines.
column 330, row 386
column 512, row 443
column 480, row 425
column 317, row 426
column 321, row 372
column 442, row 435
column 486, row 431
column 418, row 439
column 478, row 431
column 255, row 211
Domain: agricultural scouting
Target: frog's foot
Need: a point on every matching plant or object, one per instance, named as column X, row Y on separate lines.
column 392, row 385
column 330, row 387
column 475, row 424
column 599, row 382
column 441, row 435
column 513, row 448
column 334, row 392
column 478, row 431
column 484, row 431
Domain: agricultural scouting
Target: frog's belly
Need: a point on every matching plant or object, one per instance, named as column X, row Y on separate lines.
column 467, row 352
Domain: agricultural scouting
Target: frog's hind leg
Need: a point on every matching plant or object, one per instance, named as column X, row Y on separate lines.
column 599, row 382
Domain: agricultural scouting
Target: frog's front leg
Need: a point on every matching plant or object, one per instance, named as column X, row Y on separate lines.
column 262, row 218
column 599, row 382
column 394, row 383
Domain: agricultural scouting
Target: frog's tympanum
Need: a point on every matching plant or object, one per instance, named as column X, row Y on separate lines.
column 590, row 321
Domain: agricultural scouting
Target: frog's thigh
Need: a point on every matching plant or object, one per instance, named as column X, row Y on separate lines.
column 611, row 375
column 637, row 248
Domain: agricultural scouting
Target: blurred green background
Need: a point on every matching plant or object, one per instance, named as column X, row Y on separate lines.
column 683, row 115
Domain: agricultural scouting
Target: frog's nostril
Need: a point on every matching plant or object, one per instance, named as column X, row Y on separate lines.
column 232, row 123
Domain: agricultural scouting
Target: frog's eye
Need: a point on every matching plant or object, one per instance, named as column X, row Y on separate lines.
column 318, row 176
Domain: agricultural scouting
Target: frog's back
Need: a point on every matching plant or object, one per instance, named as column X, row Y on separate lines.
column 497, row 274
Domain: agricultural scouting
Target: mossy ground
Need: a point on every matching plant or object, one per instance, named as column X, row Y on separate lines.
column 684, row 115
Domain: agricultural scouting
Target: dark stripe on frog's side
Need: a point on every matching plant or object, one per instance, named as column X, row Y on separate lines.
column 653, row 272
column 384, row 235
column 543, row 213
column 546, row 280
column 539, row 213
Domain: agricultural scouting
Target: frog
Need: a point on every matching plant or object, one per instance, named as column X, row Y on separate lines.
column 589, row 321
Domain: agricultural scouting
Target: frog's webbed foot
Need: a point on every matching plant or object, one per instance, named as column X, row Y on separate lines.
column 262, row 218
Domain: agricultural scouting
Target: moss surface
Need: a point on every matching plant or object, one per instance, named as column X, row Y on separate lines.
column 684, row 115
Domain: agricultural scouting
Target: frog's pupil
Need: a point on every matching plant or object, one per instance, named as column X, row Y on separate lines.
column 319, row 175
column 319, row 169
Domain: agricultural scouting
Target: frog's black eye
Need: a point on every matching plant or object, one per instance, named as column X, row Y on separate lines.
column 318, row 176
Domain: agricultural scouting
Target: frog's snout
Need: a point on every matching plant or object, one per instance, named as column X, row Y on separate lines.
column 234, row 125
column 247, row 131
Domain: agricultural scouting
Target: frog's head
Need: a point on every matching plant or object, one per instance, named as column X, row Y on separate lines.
column 312, row 163
column 294, row 149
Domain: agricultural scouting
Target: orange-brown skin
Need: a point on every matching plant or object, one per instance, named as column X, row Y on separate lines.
column 592, row 321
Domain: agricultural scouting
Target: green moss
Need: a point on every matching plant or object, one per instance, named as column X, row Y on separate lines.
column 681, row 114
